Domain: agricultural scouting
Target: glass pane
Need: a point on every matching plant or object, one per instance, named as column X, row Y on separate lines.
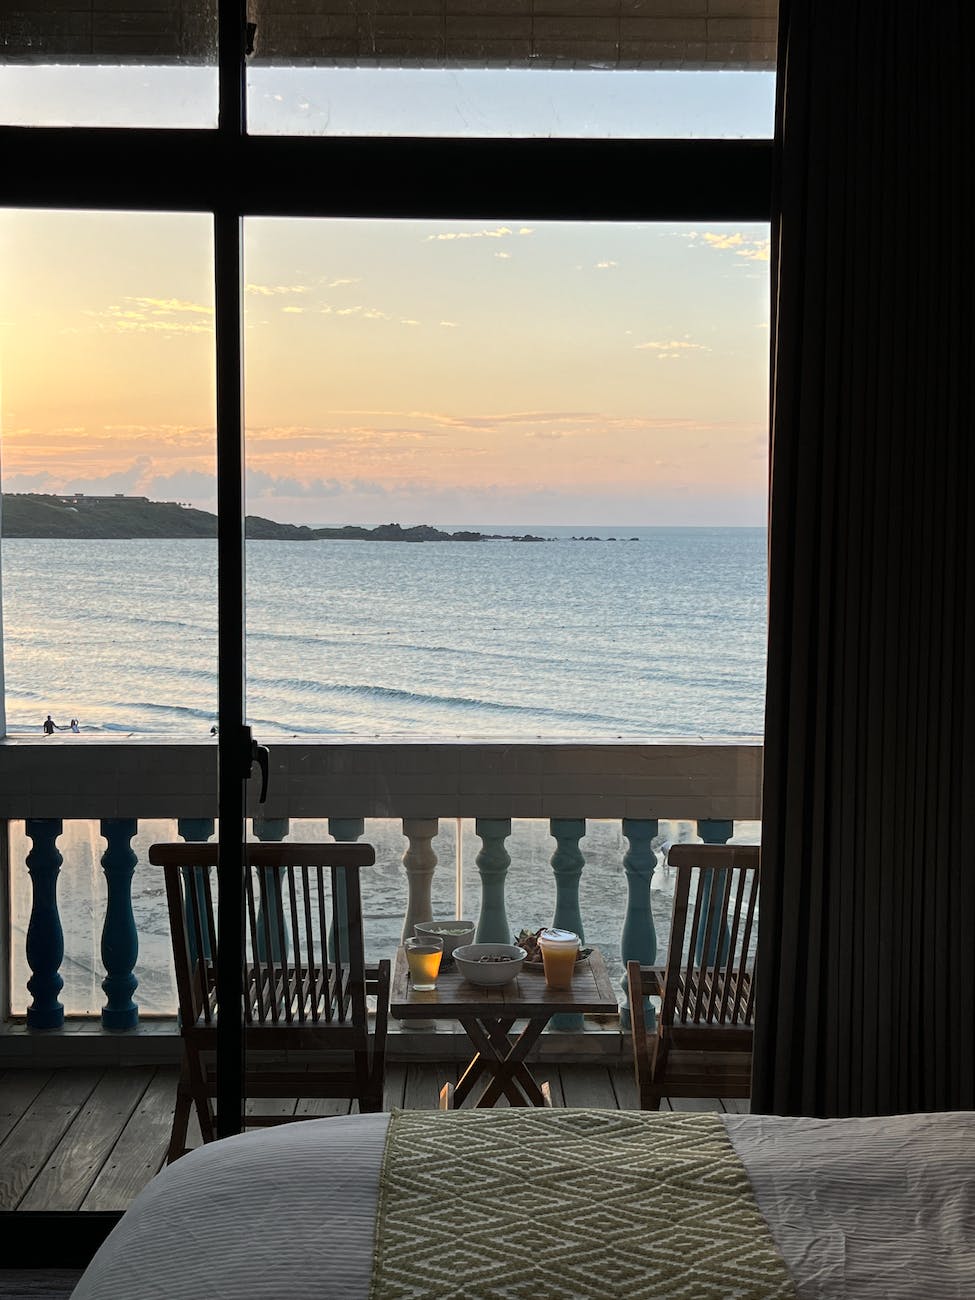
column 109, row 580
column 129, row 63
column 511, row 104
column 521, row 68
column 596, row 392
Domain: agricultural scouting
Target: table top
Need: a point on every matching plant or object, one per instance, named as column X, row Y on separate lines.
column 528, row 996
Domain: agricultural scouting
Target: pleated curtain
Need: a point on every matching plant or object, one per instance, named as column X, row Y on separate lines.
column 866, row 985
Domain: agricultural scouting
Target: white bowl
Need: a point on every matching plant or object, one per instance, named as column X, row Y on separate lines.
column 454, row 934
column 489, row 974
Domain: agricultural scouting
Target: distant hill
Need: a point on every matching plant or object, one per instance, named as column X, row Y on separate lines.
column 33, row 514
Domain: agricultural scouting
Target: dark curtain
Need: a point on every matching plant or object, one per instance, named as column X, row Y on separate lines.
column 867, row 932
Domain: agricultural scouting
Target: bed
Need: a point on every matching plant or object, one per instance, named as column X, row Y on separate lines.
column 534, row 1205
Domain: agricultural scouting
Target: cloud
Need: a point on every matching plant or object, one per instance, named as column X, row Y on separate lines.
column 341, row 283
column 449, row 324
column 605, row 266
column 742, row 245
column 143, row 315
column 503, row 256
column 671, row 349
column 293, row 311
column 498, row 232
column 723, row 241
column 163, row 306
column 273, row 290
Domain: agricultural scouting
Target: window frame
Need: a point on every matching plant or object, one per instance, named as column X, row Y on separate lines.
column 231, row 175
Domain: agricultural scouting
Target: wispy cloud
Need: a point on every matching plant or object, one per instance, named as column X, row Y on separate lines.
column 670, row 349
column 498, row 232
column 742, row 245
column 276, row 290
column 605, row 266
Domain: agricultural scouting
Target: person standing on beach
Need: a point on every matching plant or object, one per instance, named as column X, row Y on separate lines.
column 50, row 726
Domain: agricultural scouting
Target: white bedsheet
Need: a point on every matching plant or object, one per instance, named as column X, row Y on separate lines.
column 871, row 1209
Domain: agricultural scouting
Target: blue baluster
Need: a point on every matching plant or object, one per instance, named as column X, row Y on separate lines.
column 493, row 862
column 120, row 938
column 198, row 830
column 270, row 907
column 706, row 948
column 45, row 938
column 568, row 861
column 638, row 941
column 344, row 830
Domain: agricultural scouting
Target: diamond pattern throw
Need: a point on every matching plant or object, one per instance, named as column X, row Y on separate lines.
column 525, row 1204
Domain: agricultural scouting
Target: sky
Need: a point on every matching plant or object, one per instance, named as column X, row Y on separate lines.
column 417, row 371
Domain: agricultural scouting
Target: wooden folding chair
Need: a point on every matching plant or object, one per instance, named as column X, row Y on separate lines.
column 306, row 1020
column 703, row 1043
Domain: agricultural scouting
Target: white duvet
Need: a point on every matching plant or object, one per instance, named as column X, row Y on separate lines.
column 860, row 1209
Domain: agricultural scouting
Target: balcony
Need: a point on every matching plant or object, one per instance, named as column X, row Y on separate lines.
column 511, row 834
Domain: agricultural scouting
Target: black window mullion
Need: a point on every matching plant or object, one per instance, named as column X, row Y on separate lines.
column 234, row 752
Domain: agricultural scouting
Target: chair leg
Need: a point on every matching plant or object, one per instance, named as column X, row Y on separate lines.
column 181, row 1118
column 447, row 1097
column 546, row 1089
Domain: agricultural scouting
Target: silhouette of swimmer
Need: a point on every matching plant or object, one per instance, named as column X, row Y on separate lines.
column 50, row 726
column 74, row 726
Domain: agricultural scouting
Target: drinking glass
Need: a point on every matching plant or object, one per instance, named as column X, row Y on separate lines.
column 423, row 958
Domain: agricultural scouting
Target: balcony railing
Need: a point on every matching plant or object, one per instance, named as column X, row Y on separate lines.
column 461, row 796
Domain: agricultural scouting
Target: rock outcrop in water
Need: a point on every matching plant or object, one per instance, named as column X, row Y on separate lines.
column 32, row 514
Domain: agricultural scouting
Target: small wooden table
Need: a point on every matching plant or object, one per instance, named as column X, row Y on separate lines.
column 487, row 1016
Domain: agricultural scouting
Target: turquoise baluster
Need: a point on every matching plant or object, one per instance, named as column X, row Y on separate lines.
column 712, row 831
column 270, row 906
column 568, row 861
column 344, row 830
column 493, row 863
column 638, row 941
column 199, row 830
column 120, row 938
column 45, row 938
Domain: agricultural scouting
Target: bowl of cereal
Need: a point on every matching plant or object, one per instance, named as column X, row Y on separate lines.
column 489, row 965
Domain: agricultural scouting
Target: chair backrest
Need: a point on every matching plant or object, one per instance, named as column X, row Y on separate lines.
column 709, row 980
column 304, row 960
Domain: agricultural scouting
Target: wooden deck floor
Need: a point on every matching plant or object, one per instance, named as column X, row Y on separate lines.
column 90, row 1139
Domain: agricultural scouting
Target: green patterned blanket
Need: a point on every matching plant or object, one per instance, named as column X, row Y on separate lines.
column 569, row 1205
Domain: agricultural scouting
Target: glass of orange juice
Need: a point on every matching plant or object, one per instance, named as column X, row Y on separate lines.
column 559, row 951
column 423, row 958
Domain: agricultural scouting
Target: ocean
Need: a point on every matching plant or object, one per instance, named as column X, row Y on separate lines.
column 663, row 635
column 660, row 632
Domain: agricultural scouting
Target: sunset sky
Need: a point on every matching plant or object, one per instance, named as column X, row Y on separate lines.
column 484, row 372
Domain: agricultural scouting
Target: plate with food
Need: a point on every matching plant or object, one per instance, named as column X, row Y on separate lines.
column 528, row 939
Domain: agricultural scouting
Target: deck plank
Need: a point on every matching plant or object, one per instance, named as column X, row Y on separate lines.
column 395, row 1087
column 589, row 1085
column 423, row 1084
column 696, row 1104
column 78, row 1158
column 624, row 1085
column 18, row 1088
column 30, row 1142
column 736, row 1105
column 140, row 1149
